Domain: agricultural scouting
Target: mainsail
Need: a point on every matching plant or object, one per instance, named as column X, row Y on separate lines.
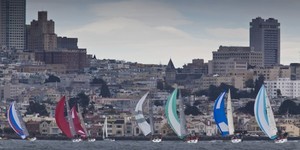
column 142, row 123
column 219, row 114
column 16, row 122
column 171, row 113
column 264, row 115
column 229, row 114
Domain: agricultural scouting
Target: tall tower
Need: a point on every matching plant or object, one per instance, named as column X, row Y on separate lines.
column 265, row 37
column 12, row 24
column 41, row 35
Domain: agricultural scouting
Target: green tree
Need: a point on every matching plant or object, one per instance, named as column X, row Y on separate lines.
column 258, row 83
column 248, row 108
column 35, row 107
column 249, row 83
column 191, row 110
column 160, row 85
column 105, row 91
column 288, row 106
column 52, row 78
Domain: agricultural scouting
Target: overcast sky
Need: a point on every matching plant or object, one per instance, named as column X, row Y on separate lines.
column 153, row 31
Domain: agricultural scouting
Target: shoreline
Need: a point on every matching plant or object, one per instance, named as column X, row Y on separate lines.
column 143, row 138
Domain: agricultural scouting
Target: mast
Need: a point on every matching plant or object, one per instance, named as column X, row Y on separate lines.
column 229, row 114
column 182, row 116
column 70, row 120
column 105, row 126
column 103, row 130
column 151, row 116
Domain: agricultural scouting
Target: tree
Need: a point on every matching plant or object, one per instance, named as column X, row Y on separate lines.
column 52, row 78
column 249, row 83
column 278, row 91
column 288, row 106
column 83, row 99
column 105, row 91
column 258, row 83
column 36, row 108
column 248, row 108
column 191, row 110
column 160, row 85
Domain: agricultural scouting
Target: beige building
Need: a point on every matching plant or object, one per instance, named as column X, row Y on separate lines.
column 235, row 81
column 226, row 66
column 33, row 68
column 231, row 59
column 273, row 73
column 49, row 128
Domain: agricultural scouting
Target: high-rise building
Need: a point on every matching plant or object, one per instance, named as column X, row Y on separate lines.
column 265, row 37
column 12, row 24
column 41, row 35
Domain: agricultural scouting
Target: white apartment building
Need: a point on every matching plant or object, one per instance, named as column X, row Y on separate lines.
column 287, row 87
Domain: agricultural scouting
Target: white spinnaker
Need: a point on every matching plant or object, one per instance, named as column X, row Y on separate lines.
column 264, row 114
column 229, row 114
column 171, row 113
column 142, row 123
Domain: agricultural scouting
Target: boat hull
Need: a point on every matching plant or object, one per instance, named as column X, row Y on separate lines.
column 279, row 141
column 236, row 140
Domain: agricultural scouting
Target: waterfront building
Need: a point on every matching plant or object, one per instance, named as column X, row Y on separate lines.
column 265, row 38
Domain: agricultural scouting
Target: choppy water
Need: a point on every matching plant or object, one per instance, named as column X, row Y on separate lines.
column 145, row 145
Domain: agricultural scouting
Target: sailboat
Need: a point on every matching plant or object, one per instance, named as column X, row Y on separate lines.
column 142, row 123
column 264, row 116
column 225, row 123
column 104, row 132
column 79, row 124
column 16, row 122
column 65, row 125
column 178, row 126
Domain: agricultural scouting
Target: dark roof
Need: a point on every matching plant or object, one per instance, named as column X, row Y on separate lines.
column 170, row 66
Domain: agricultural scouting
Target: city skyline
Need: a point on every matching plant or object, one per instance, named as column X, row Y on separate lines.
column 155, row 31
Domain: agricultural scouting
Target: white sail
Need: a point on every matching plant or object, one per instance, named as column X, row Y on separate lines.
column 142, row 123
column 229, row 114
column 105, row 126
column 264, row 114
column 271, row 119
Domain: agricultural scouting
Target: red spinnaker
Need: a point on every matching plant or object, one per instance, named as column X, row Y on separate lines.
column 77, row 124
column 60, row 119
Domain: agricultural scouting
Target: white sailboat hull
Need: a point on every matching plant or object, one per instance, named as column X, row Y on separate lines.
column 192, row 141
column 236, row 140
column 284, row 140
column 156, row 140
